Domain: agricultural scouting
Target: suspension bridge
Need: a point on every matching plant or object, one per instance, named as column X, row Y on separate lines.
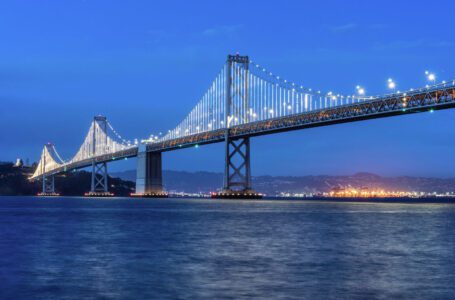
column 244, row 100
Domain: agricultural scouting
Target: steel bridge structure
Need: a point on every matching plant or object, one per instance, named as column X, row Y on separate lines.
column 244, row 100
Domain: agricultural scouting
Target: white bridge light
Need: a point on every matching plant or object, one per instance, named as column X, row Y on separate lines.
column 360, row 90
column 430, row 76
column 391, row 84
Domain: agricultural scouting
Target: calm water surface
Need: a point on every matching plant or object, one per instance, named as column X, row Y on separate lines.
column 73, row 248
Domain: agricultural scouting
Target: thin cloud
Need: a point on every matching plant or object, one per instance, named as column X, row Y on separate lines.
column 343, row 28
column 222, row 30
column 352, row 26
column 158, row 35
column 378, row 26
column 411, row 44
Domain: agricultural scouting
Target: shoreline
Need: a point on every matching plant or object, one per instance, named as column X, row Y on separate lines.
column 400, row 200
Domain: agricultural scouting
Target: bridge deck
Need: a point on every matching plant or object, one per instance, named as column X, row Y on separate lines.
column 131, row 152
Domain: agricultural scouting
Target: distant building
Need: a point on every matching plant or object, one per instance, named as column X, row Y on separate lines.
column 19, row 163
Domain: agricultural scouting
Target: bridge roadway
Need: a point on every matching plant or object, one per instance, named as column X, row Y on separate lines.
column 126, row 153
column 436, row 98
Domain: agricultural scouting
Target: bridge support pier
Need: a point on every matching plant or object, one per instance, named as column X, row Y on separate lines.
column 149, row 175
column 99, row 187
column 237, row 171
column 48, row 186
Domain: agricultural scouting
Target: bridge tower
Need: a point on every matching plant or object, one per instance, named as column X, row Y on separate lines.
column 99, row 182
column 47, row 181
column 237, row 170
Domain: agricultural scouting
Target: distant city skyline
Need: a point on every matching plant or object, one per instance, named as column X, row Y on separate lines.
column 145, row 71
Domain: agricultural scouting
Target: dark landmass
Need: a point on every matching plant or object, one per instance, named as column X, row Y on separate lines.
column 14, row 181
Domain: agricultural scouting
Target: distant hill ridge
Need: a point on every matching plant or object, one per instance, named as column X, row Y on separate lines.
column 13, row 181
column 211, row 181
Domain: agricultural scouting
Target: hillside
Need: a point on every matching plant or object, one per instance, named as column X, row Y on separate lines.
column 13, row 181
column 271, row 185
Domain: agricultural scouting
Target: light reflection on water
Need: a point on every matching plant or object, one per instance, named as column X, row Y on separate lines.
column 57, row 248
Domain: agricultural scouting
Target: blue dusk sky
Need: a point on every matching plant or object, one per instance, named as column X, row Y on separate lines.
column 144, row 64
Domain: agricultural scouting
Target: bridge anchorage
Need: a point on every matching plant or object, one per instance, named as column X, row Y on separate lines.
column 149, row 175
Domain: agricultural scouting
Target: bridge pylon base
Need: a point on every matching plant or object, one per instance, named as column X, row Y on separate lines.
column 48, row 194
column 150, row 195
column 99, row 194
column 99, row 186
column 231, row 194
column 237, row 172
column 48, row 187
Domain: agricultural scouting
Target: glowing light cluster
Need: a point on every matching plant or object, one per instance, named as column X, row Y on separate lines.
column 101, row 139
